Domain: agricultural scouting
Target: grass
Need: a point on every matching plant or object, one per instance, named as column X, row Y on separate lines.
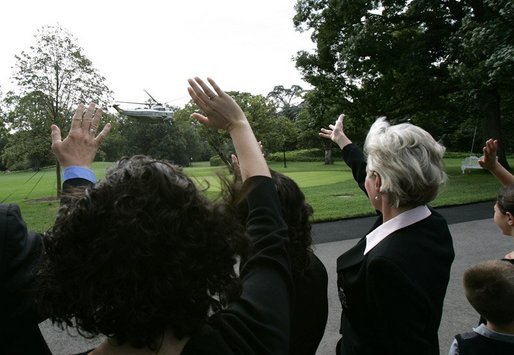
column 330, row 189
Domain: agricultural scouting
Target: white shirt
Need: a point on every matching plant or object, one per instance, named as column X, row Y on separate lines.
column 403, row 220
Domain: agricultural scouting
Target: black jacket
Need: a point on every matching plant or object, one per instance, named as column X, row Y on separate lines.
column 393, row 296
column 20, row 251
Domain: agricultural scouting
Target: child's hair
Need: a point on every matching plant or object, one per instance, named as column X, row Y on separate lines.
column 489, row 288
column 505, row 199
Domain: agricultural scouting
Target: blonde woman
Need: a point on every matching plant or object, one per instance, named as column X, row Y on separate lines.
column 393, row 282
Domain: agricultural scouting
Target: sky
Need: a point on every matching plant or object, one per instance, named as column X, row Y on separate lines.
column 245, row 45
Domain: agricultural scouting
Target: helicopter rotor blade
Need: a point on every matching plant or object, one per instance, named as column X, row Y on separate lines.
column 154, row 100
column 131, row 102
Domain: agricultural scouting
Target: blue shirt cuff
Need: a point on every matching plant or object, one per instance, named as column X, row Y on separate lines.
column 79, row 172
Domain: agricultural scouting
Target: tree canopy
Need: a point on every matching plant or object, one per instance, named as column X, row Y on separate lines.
column 55, row 71
column 437, row 63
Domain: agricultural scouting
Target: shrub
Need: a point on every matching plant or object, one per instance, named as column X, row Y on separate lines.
column 215, row 160
column 313, row 154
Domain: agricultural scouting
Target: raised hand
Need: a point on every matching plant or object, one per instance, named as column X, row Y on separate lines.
column 221, row 111
column 80, row 146
column 336, row 133
column 488, row 160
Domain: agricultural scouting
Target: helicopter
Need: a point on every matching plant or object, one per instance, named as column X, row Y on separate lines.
column 154, row 112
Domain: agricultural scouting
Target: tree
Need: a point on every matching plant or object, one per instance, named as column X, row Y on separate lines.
column 4, row 138
column 288, row 100
column 56, row 68
column 30, row 145
column 179, row 142
column 402, row 59
column 482, row 58
column 283, row 136
column 269, row 128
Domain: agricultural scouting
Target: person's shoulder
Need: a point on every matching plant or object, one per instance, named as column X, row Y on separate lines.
column 9, row 209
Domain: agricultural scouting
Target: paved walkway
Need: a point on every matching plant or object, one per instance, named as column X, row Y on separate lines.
column 476, row 238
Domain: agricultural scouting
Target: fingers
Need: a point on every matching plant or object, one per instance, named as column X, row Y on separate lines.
column 199, row 92
column 207, row 90
column 103, row 134
column 95, row 123
column 88, row 116
column 325, row 135
column 200, row 118
column 55, row 134
column 216, row 87
column 76, row 121
column 234, row 159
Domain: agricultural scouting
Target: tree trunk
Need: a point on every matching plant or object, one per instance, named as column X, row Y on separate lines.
column 58, row 175
column 489, row 101
column 328, row 156
column 285, row 161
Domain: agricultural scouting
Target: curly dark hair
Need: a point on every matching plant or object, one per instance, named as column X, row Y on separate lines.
column 140, row 252
column 295, row 211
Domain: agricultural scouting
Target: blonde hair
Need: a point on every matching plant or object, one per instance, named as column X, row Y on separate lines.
column 408, row 160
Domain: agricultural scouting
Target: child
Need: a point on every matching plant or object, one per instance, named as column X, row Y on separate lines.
column 489, row 288
column 504, row 207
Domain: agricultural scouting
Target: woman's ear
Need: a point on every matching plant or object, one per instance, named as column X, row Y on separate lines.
column 378, row 181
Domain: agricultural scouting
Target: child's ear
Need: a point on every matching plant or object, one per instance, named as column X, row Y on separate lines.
column 510, row 218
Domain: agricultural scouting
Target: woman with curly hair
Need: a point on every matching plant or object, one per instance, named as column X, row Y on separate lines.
column 145, row 259
column 310, row 307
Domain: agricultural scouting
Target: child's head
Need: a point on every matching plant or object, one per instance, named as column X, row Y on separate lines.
column 504, row 209
column 489, row 288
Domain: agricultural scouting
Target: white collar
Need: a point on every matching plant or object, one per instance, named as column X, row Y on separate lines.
column 404, row 219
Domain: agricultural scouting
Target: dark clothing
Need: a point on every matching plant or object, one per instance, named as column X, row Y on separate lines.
column 20, row 250
column 475, row 344
column 310, row 310
column 392, row 297
column 258, row 322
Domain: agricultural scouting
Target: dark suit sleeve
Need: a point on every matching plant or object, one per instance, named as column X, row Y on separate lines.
column 401, row 309
column 258, row 323
column 19, row 254
column 20, row 251
column 355, row 159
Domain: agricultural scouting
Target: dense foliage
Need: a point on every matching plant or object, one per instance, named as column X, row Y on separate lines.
column 447, row 65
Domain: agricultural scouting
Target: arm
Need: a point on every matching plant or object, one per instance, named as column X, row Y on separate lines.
column 336, row 133
column 352, row 154
column 355, row 159
column 222, row 112
column 488, row 161
column 77, row 151
column 258, row 322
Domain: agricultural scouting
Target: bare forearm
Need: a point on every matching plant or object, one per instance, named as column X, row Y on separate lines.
column 502, row 174
column 248, row 151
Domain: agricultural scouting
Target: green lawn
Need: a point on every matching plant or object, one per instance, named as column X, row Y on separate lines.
column 330, row 190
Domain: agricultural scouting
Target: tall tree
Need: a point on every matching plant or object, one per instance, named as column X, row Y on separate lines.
column 56, row 67
column 482, row 58
column 288, row 100
column 402, row 58
column 30, row 145
column 274, row 133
